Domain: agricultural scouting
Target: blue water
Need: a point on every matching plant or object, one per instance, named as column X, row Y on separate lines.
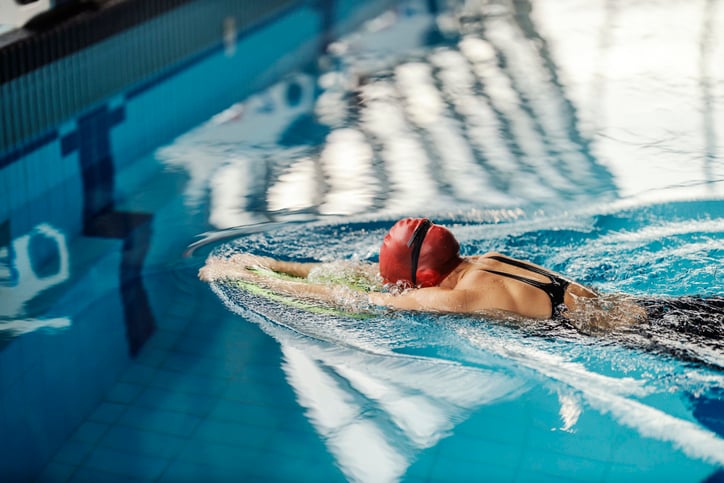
column 569, row 135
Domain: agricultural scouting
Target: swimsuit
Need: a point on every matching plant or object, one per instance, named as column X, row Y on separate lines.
column 689, row 327
column 555, row 288
column 690, row 314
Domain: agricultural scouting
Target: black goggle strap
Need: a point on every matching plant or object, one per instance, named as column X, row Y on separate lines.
column 415, row 242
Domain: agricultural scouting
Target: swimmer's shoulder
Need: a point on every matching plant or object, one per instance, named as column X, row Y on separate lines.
column 475, row 273
column 481, row 258
column 478, row 263
column 484, row 255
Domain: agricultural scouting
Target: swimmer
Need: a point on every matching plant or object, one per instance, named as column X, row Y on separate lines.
column 421, row 263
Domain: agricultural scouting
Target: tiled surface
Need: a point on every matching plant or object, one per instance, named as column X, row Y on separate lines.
column 209, row 401
column 39, row 158
column 213, row 402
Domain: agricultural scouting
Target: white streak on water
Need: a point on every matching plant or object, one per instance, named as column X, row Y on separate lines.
column 570, row 410
column 662, row 232
column 354, row 439
column 609, row 395
column 689, row 437
column 375, row 412
column 18, row 327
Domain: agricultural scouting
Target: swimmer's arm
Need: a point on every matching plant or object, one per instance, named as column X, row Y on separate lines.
column 237, row 266
column 242, row 268
column 323, row 293
column 430, row 299
column 295, row 269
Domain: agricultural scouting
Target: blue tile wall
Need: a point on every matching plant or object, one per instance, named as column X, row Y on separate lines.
column 184, row 105
column 41, row 407
column 86, row 62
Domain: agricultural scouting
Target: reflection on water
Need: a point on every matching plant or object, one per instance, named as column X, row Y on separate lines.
column 402, row 383
column 707, row 84
column 657, row 116
column 520, row 118
column 496, row 112
column 23, row 277
column 480, row 104
column 463, row 122
column 376, row 413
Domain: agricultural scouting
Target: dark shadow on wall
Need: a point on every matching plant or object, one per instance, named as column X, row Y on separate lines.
column 100, row 218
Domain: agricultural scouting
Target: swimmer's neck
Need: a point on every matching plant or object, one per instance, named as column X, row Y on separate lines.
column 454, row 277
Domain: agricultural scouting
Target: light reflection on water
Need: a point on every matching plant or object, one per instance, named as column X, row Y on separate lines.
column 352, row 376
column 545, row 130
column 539, row 129
column 503, row 111
column 21, row 280
column 380, row 391
column 377, row 413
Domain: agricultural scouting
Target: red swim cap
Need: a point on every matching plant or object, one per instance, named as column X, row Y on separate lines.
column 439, row 253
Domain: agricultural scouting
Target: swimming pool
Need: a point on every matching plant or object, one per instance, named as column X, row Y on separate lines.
column 563, row 133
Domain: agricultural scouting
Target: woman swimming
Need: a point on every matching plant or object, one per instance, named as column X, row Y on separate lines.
column 421, row 267
column 420, row 263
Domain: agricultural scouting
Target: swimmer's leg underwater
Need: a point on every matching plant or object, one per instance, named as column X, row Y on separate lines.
column 692, row 315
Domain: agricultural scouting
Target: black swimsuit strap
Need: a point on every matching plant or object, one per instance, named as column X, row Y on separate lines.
column 530, row 281
column 526, row 266
column 555, row 288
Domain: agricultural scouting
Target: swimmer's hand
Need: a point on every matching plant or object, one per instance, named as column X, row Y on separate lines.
column 237, row 266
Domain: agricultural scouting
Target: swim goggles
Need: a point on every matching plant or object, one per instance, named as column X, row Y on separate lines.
column 415, row 242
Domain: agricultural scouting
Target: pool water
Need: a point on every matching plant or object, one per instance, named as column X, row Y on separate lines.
column 579, row 136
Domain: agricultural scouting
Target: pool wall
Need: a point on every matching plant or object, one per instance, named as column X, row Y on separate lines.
column 79, row 105
column 82, row 101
